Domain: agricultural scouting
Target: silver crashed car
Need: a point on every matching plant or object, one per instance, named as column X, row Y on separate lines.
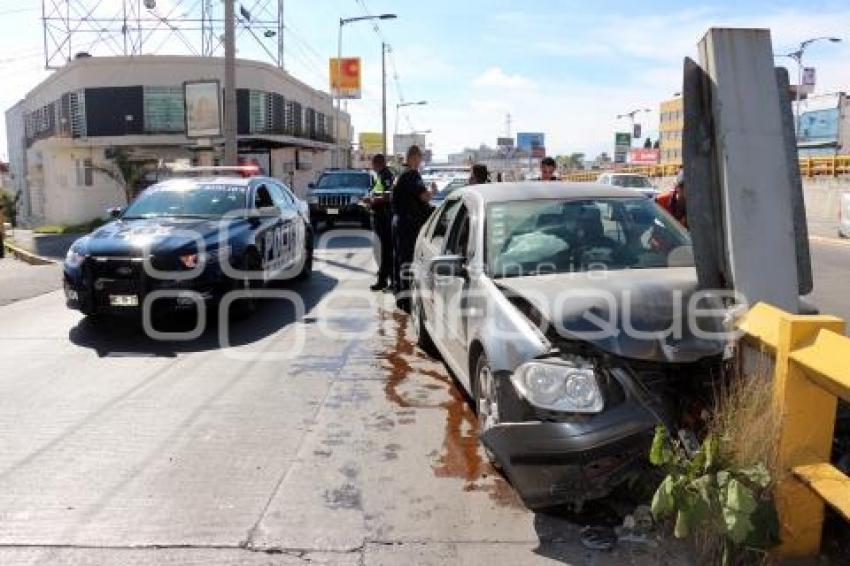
column 564, row 311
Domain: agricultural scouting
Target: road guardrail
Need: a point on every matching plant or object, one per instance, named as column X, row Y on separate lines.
column 811, row 370
column 832, row 166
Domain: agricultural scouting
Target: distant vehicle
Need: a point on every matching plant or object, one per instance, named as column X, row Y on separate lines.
column 844, row 215
column 337, row 196
column 448, row 188
column 548, row 301
column 630, row 181
column 441, row 175
column 192, row 240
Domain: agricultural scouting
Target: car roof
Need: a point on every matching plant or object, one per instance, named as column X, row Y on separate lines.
column 536, row 190
column 337, row 171
column 210, row 180
column 627, row 175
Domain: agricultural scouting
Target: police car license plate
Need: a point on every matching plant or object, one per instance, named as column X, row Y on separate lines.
column 333, row 211
column 124, row 300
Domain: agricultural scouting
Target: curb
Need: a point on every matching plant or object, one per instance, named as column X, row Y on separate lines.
column 27, row 256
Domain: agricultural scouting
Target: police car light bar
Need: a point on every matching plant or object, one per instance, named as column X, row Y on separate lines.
column 241, row 170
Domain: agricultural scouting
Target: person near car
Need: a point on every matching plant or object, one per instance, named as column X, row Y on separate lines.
column 479, row 174
column 410, row 208
column 547, row 169
column 382, row 220
column 673, row 201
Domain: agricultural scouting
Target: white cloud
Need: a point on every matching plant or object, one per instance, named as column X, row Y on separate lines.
column 496, row 77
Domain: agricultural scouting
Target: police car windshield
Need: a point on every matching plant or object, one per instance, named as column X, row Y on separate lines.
column 344, row 180
column 204, row 201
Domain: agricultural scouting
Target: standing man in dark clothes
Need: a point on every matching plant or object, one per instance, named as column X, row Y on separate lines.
column 410, row 211
column 382, row 220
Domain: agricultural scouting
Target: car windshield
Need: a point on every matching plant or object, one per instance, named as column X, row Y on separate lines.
column 632, row 181
column 562, row 236
column 208, row 200
column 347, row 180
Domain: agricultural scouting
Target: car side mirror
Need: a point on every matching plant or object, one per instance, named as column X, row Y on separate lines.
column 115, row 212
column 449, row 266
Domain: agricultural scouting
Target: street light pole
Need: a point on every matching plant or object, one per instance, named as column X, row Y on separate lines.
column 230, row 124
column 797, row 56
column 631, row 117
column 342, row 22
column 403, row 105
column 383, row 98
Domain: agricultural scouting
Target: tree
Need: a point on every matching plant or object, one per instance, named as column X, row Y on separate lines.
column 125, row 171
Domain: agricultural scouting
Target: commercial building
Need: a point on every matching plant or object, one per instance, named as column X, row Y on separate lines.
column 824, row 125
column 67, row 132
column 670, row 126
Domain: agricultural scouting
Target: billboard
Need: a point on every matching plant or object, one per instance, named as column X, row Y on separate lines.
column 820, row 125
column 644, row 156
column 538, row 151
column 527, row 141
column 371, row 143
column 505, row 142
column 203, row 109
column 345, row 77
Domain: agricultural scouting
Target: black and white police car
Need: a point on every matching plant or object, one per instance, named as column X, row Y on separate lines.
column 190, row 240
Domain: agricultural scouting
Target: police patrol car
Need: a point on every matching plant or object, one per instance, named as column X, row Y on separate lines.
column 190, row 240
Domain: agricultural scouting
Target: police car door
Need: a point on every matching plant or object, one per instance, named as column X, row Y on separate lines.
column 293, row 234
column 269, row 233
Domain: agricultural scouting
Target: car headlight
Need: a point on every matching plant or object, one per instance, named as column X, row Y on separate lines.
column 74, row 258
column 312, row 199
column 559, row 386
column 354, row 199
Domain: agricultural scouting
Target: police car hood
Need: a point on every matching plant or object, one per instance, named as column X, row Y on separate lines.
column 641, row 314
column 154, row 235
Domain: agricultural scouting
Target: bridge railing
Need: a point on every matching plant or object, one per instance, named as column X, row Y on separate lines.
column 811, row 371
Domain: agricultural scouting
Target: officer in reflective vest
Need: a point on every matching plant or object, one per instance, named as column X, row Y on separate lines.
column 379, row 202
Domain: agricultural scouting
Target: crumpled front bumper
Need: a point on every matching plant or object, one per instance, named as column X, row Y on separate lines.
column 556, row 463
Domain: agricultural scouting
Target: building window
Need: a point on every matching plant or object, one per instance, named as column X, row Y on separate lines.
column 258, row 112
column 164, row 111
column 85, row 173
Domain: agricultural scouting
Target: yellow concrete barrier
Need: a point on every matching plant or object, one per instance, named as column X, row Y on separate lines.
column 811, row 372
column 832, row 166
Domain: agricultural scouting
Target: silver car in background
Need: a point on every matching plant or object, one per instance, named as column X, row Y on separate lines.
column 550, row 304
column 630, row 181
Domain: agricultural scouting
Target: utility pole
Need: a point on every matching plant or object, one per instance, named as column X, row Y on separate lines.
column 230, row 151
column 280, row 29
column 384, row 97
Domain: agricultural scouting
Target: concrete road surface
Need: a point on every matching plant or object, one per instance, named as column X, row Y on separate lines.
column 322, row 437
column 19, row 280
column 831, row 269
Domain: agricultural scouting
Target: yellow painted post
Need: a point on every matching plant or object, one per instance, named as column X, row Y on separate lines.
column 806, row 434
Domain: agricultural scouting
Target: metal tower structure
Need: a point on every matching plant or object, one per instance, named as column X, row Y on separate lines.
column 173, row 27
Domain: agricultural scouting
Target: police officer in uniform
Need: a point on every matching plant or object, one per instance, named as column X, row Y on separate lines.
column 410, row 207
column 382, row 220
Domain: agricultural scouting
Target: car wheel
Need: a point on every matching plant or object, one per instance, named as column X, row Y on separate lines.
column 307, row 268
column 246, row 306
column 485, row 399
column 417, row 319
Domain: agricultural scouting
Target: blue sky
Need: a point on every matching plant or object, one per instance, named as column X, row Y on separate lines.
column 562, row 67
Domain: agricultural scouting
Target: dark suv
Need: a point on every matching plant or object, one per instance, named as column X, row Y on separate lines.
column 337, row 195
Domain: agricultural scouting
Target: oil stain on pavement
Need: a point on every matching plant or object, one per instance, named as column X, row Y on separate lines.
column 461, row 456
